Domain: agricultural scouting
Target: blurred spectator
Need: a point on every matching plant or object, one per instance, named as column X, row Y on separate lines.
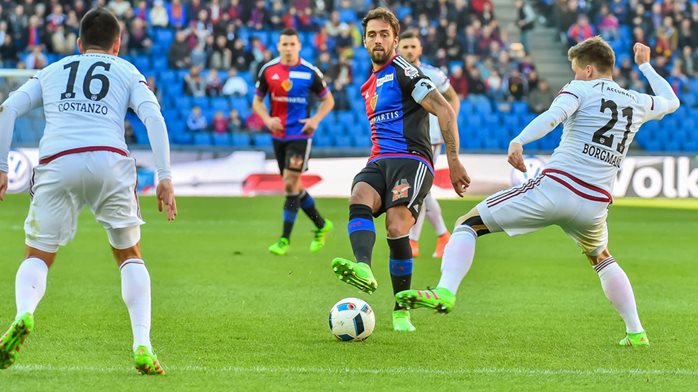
column 344, row 43
column 258, row 17
column 254, row 123
column 177, row 14
column 516, row 85
column 580, row 31
column 234, row 85
column 565, row 14
column 119, row 7
column 158, row 15
column 532, row 80
column 241, row 58
column 194, row 84
column 179, row 57
column 63, row 42
column 322, row 40
column 139, row 41
column 496, row 86
column 235, row 11
column 476, row 86
column 129, row 135
column 687, row 36
column 540, row 99
column 219, row 123
column 34, row 35
column 196, row 121
column 234, row 121
column 276, row 15
column 333, row 25
column 55, row 18
column 215, row 11
column 607, row 24
column 341, row 72
column 324, row 63
column 8, row 53
column 141, row 11
column 525, row 21
column 214, row 85
column 220, row 57
column 257, row 50
column 153, row 86
column 689, row 61
column 677, row 79
column 459, row 82
column 636, row 83
column 36, row 59
column 341, row 99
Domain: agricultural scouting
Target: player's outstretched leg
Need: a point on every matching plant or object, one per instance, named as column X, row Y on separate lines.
column 616, row 286
column 146, row 361
column 458, row 257
column 362, row 235
column 322, row 226
column 12, row 340
column 291, row 205
column 401, row 276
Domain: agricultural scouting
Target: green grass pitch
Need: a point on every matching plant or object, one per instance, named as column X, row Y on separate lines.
column 229, row 316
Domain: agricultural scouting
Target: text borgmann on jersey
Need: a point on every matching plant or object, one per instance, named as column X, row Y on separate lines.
column 602, row 155
column 96, row 108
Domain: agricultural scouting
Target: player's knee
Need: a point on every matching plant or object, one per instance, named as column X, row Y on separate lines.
column 597, row 256
column 397, row 229
column 471, row 222
column 131, row 253
column 124, row 238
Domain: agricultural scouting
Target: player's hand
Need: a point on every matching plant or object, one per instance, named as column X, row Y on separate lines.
column 459, row 177
column 274, row 125
column 166, row 198
column 3, row 185
column 310, row 124
column 642, row 53
column 515, row 156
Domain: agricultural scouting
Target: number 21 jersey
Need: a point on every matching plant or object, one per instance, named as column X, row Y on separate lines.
column 600, row 126
column 85, row 99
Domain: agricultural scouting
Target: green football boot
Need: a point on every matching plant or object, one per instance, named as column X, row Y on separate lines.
column 11, row 341
column 280, row 247
column 401, row 321
column 147, row 362
column 358, row 275
column 635, row 340
column 439, row 299
column 321, row 236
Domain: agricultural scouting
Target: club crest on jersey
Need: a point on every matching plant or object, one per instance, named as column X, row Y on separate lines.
column 373, row 102
column 401, row 190
column 287, row 85
column 411, row 72
column 295, row 162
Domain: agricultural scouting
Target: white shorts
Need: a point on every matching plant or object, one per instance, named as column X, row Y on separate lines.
column 103, row 180
column 553, row 198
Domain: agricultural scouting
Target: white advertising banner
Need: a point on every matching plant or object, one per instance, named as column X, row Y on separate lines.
column 248, row 173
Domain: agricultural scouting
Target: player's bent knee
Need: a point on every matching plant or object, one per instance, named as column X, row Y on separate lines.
column 472, row 222
column 124, row 238
column 596, row 257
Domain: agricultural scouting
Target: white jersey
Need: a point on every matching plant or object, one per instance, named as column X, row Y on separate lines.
column 85, row 99
column 442, row 84
column 597, row 134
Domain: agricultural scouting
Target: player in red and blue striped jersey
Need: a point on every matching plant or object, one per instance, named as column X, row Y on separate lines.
column 289, row 80
column 400, row 171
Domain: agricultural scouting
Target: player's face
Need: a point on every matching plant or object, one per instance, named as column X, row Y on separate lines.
column 289, row 48
column 411, row 49
column 380, row 41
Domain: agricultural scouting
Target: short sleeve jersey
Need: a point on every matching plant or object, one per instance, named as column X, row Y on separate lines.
column 596, row 137
column 442, row 84
column 289, row 88
column 85, row 99
column 399, row 124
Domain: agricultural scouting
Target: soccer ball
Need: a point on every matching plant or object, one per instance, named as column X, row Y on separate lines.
column 352, row 319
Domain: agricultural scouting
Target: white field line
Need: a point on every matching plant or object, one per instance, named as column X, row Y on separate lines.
column 385, row 371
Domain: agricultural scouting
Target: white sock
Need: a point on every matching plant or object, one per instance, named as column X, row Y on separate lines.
column 135, row 290
column 434, row 215
column 30, row 285
column 416, row 230
column 458, row 257
column 618, row 290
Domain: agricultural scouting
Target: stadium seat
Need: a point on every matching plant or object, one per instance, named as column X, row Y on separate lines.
column 240, row 139
column 322, row 141
column 363, row 141
column 221, row 139
column 519, row 107
column 183, row 138
column 142, row 62
column 200, row 101
column 160, row 62
column 345, row 118
column 202, row 139
column 183, row 103
column 261, row 140
column 220, row 103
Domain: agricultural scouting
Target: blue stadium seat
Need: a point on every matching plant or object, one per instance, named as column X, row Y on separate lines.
column 176, row 128
column 183, row 102
column 142, row 62
column 200, row 101
column 240, row 139
column 363, row 141
column 164, row 36
column 183, row 138
column 221, row 139
column 345, row 117
column 171, row 115
column 160, row 62
column 322, row 141
column 342, row 141
column 262, row 140
column 220, row 103
column 202, row 139
column 519, row 107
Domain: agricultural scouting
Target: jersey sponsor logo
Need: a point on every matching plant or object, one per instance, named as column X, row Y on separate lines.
column 300, row 75
column 91, row 107
column 385, row 117
column 602, row 155
column 373, row 102
column 287, row 85
column 295, row 162
column 275, row 77
column 401, row 190
column 281, row 98
column 411, row 72
column 385, row 79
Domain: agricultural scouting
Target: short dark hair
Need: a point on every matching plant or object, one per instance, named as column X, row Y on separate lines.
column 383, row 14
column 595, row 51
column 410, row 34
column 99, row 28
column 290, row 31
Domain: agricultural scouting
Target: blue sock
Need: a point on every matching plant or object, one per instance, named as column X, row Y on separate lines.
column 362, row 232
column 290, row 212
column 400, row 264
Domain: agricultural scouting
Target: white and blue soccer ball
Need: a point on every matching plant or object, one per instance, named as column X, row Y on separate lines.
column 534, row 166
column 352, row 319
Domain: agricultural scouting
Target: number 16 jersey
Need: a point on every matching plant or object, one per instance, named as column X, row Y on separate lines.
column 85, row 99
column 602, row 120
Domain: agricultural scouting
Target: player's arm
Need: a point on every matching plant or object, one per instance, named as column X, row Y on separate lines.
column 452, row 98
column 27, row 97
column 563, row 106
column 272, row 123
column 146, row 106
column 665, row 101
column 434, row 103
column 320, row 88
